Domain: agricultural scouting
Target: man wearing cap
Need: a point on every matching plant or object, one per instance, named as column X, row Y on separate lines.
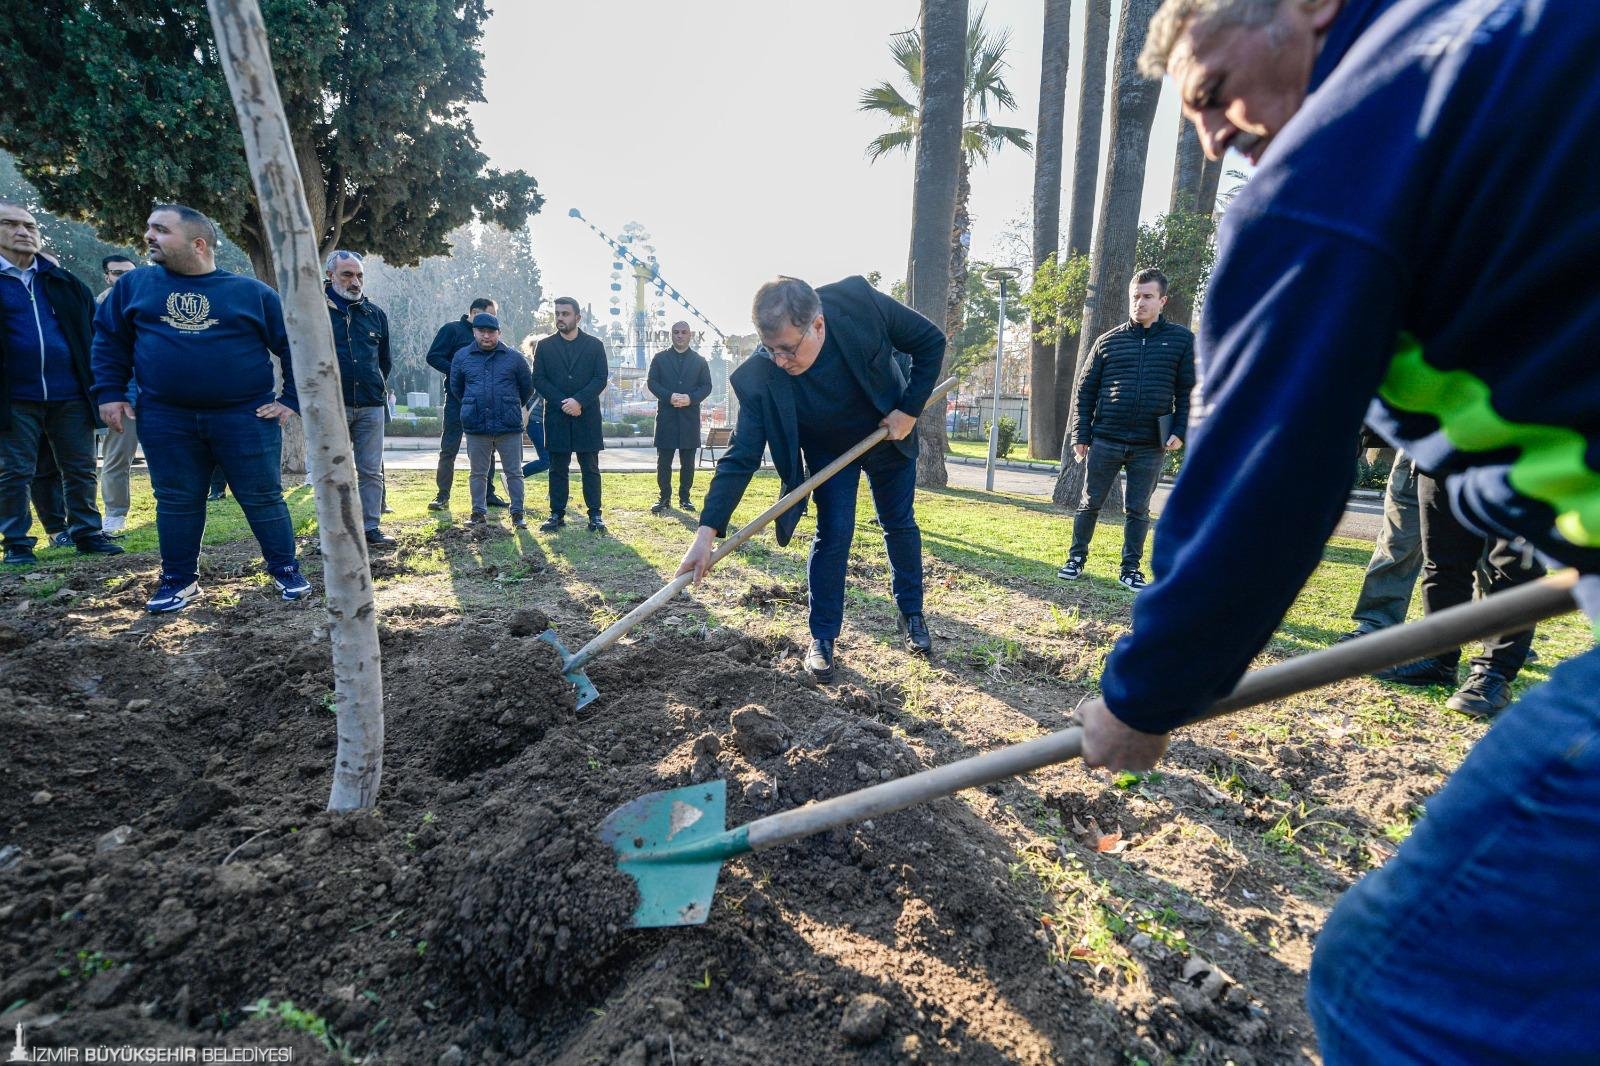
column 495, row 386
column 451, row 338
column 361, row 340
column 570, row 372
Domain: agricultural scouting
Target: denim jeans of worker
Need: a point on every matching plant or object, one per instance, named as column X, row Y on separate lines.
column 1476, row 941
column 588, row 467
column 114, row 468
column 664, row 471
column 1397, row 556
column 68, row 428
column 181, row 447
column 1451, row 555
column 450, row 447
column 481, row 450
column 542, row 463
column 366, row 440
column 893, row 480
column 45, row 490
column 1106, row 459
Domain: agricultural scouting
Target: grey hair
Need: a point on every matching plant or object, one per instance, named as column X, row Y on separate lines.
column 784, row 301
column 338, row 256
column 1168, row 24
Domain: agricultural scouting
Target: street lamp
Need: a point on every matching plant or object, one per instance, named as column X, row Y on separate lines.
column 1002, row 275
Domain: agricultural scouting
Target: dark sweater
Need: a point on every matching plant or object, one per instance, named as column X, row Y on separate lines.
column 831, row 408
column 195, row 341
column 451, row 338
column 1134, row 376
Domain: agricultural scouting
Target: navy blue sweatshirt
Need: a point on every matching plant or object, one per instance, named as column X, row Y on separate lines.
column 193, row 340
column 1416, row 250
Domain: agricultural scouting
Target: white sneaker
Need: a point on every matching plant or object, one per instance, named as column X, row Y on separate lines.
column 112, row 526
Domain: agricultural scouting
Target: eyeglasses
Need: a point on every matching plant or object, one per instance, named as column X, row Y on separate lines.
column 788, row 353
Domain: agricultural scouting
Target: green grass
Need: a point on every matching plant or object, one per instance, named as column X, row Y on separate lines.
column 979, row 449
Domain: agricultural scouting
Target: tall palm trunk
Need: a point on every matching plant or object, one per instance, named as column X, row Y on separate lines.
column 1133, row 111
column 960, row 251
column 933, row 200
column 1085, row 174
column 1044, row 433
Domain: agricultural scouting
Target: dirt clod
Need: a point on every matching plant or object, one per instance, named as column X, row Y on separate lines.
column 864, row 1019
column 758, row 733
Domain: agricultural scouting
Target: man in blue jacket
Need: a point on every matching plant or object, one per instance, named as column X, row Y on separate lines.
column 1416, row 249
column 361, row 341
column 45, row 316
column 495, row 385
column 828, row 374
column 201, row 342
column 451, row 338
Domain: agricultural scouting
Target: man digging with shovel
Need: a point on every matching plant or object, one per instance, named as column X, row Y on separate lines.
column 829, row 373
column 1421, row 231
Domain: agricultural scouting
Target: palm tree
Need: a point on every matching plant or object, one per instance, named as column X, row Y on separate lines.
column 1044, row 434
column 984, row 89
column 1085, row 172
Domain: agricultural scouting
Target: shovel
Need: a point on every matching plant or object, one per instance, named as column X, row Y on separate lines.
column 673, row 843
column 573, row 663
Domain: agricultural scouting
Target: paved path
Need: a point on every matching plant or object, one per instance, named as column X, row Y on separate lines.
column 1363, row 516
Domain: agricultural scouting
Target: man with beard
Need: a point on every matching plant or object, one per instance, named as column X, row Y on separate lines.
column 361, row 340
column 570, row 372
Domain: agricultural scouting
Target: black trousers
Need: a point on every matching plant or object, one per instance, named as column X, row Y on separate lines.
column 1451, row 554
column 685, row 471
column 589, row 466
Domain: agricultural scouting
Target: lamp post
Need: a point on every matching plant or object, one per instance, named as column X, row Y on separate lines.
column 1002, row 275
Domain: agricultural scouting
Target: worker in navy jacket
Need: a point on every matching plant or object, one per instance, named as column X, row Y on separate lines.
column 831, row 371
column 1415, row 249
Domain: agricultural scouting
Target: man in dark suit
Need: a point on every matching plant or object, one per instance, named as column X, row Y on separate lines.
column 829, row 373
column 680, row 379
column 570, row 371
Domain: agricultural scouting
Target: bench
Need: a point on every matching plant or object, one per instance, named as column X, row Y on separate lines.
column 716, row 437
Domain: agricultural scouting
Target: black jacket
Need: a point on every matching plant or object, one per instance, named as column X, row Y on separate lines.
column 451, row 338
column 689, row 373
column 872, row 331
column 73, row 304
column 571, row 369
column 494, row 386
column 361, row 340
column 1134, row 376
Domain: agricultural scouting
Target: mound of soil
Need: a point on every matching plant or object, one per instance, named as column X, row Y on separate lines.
column 171, row 875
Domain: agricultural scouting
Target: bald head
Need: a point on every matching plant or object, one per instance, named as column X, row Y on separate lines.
column 681, row 336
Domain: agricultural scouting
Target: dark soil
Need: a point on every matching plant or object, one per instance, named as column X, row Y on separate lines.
column 168, row 864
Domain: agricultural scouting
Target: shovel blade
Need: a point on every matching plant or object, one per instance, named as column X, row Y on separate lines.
column 587, row 693
column 668, row 843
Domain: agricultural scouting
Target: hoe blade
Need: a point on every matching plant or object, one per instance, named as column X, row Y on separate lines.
column 587, row 693
column 672, row 844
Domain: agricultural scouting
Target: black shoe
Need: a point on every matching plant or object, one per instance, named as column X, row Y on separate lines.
column 551, row 524
column 216, row 495
column 1421, row 672
column 819, row 660
column 660, row 507
column 597, row 525
column 1071, row 570
column 20, row 557
column 1484, row 695
column 98, row 544
column 1133, row 579
column 1355, row 634
column 685, row 505
column 518, row 521
column 439, row 503
column 914, row 635
column 495, row 501
column 379, row 539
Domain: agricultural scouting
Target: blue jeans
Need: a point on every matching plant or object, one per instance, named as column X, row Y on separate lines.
column 366, row 442
column 1476, row 942
column 542, row 463
column 893, row 480
column 181, row 446
column 66, row 428
column 1106, row 459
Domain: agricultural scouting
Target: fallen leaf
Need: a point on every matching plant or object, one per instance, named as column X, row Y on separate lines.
column 1110, row 841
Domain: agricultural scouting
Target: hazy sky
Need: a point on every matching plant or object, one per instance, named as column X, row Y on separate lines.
column 729, row 129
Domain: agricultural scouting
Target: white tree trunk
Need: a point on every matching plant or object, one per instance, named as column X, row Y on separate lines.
column 358, row 677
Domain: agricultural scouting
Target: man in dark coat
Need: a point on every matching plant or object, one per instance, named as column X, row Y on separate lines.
column 451, row 338
column 1133, row 408
column 829, row 373
column 46, row 325
column 361, row 342
column 570, row 372
column 680, row 379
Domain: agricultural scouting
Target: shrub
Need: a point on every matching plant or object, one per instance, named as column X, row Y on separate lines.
column 422, row 412
column 415, row 427
column 1006, row 438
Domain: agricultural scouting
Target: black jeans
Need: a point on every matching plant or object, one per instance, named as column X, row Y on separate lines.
column 589, row 465
column 1450, row 555
column 664, row 471
column 1106, row 459
column 48, row 499
column 449, row 447
column 69, row 429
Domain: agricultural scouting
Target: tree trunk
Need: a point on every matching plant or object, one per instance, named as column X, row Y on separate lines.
column 1043, row 431
column 960, row 251
column 1187, row 167
column 1210, row 178
column 933, row 198
column 1133, row 110
column 352, row 614
column 1091, row 114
